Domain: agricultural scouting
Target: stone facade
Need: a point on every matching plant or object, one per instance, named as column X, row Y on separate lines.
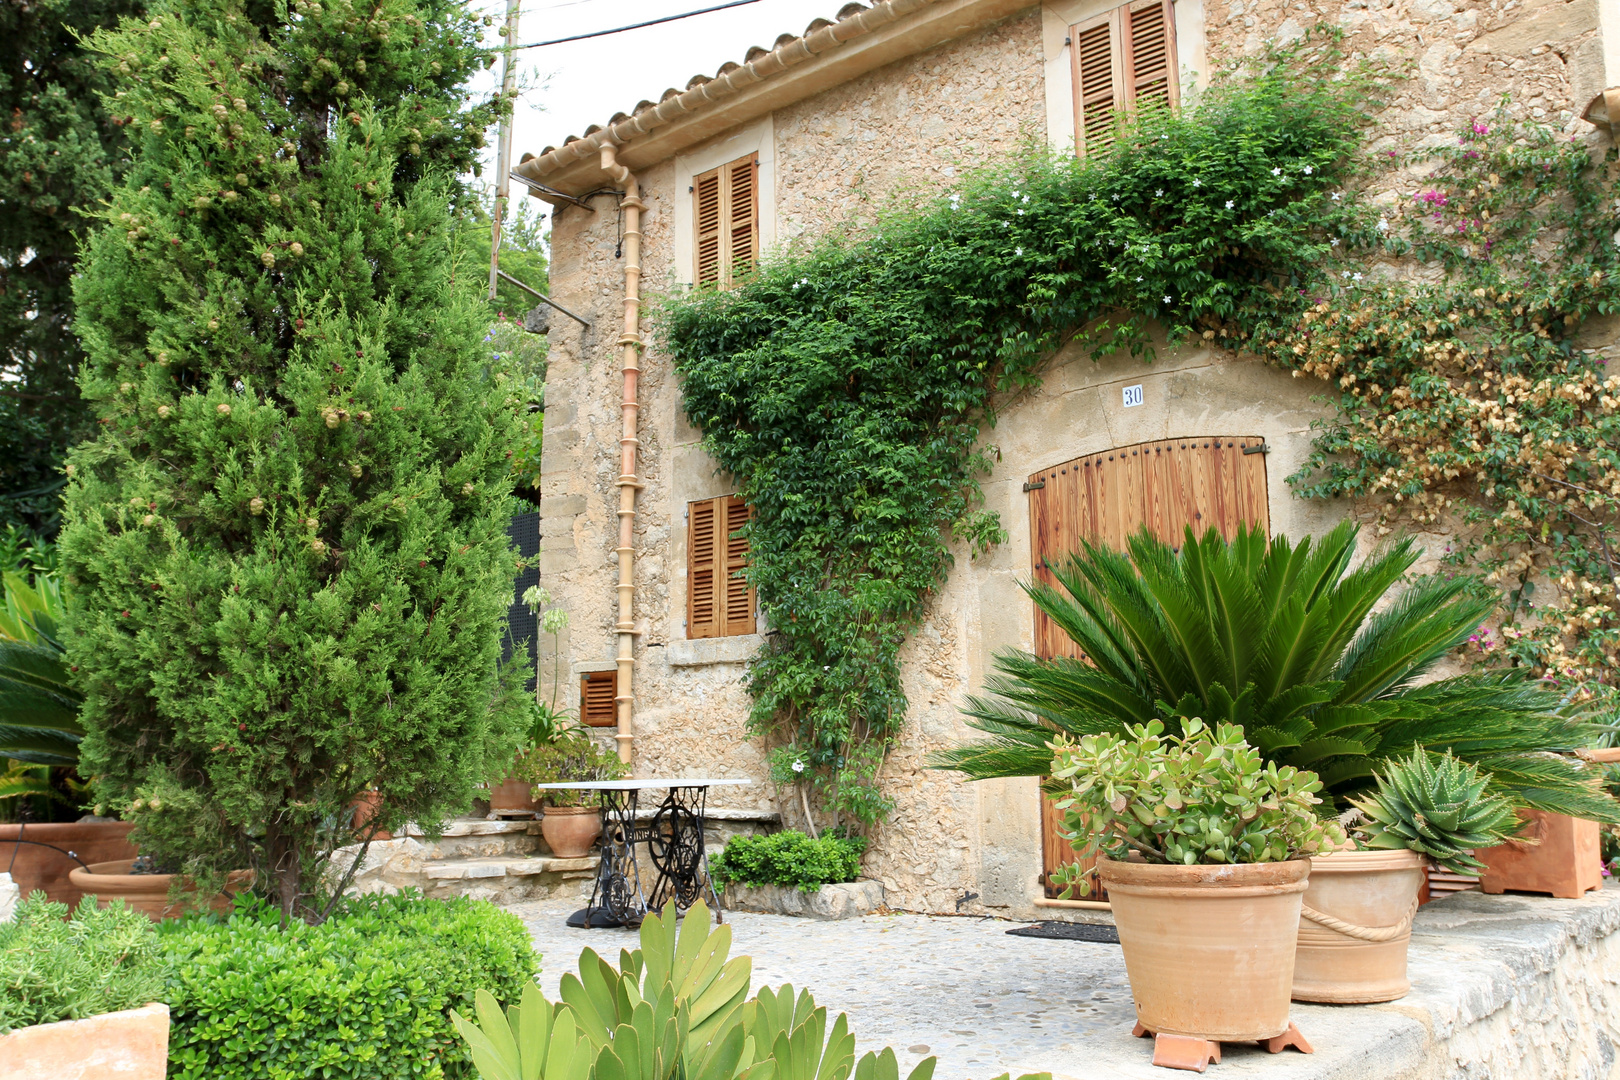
column 904, row 130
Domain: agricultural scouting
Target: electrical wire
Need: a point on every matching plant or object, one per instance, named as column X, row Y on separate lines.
column 635, row 26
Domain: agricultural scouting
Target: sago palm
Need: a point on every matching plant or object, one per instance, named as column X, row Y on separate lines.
column 1281, row 639
column 39, row 707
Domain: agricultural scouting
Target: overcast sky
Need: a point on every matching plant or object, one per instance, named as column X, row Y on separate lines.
column 568, row 87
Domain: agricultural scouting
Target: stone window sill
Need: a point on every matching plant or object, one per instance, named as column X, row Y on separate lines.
column 697, row 652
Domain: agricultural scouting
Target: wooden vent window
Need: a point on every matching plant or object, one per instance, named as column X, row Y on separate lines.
column 597, row 693
column 1121, row 57
column 719, row 601
column 727, row 221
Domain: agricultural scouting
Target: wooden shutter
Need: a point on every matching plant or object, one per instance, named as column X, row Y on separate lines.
column 1108, row 497
column 1119, row 58
column 1098, row 79
column 706, row 219
column 726, row 221
column 1149, row 40
column 703, row 570
column 719, row 600
column 737, row 593
column 598, row 691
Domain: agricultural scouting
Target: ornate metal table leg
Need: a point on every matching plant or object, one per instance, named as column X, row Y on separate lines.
column 618, row 879
column 675, row 843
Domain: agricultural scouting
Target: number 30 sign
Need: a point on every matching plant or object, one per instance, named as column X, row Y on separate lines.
column 1133, row 395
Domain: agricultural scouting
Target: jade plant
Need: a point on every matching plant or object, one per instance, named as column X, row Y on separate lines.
column 1437, row 806
column 1204, row 796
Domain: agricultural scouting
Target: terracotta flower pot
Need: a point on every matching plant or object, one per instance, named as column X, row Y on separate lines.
column 570, row 831
column 1355, row 926
column 511, row 796
column 1552, row 854
column 128, row 1045
column 148, row 893
column 35, row 867
column 1209, row 949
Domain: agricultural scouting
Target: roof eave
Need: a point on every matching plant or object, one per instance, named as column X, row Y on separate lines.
column 796, row 70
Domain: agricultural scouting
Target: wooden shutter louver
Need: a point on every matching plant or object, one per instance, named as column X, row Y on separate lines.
column 598, row 691
column 719, row 600
column 702, row 571
column 1120, row 58
column 726, row 221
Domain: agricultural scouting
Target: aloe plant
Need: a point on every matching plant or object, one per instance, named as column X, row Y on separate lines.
column 1280, row 639
column 675, row 1009
column 1437, row 806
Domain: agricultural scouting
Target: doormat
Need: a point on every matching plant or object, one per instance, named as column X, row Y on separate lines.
column 1069, row 931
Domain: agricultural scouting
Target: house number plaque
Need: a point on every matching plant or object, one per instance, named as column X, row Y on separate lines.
column 1133, row 395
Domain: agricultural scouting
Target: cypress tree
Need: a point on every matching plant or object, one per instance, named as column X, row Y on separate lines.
column 287, row 543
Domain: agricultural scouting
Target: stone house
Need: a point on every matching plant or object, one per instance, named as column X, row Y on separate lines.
column 902, row 96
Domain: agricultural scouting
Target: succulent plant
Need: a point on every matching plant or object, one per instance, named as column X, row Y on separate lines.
column 1436, row 805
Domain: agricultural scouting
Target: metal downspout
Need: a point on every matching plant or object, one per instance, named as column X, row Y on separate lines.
column 628, row 483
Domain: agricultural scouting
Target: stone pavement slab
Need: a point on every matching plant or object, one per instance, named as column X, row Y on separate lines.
column 1509, row 986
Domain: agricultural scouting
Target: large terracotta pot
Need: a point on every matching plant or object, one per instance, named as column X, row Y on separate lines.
column 570, row 831
column 1209, row 949
column 34, row 867
column 148, row 893
column 1552, row 854
column 1355, row 926
column 511, row 796
column 128, row 1045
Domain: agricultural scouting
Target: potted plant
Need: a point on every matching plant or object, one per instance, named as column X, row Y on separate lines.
column 571, row 820
column 1204, row 850
column 1356, row 921
column 512, row 794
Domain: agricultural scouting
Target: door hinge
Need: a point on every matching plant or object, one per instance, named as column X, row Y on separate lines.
column 1261, row 449
column 1037, row 484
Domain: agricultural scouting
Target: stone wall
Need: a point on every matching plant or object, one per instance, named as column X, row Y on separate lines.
column 905, row 130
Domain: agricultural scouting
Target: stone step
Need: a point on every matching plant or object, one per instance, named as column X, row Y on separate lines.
column 466, row 869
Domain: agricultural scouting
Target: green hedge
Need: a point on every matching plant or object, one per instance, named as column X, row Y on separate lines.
column 789, row 858
column 364, row 996
column 54, row 969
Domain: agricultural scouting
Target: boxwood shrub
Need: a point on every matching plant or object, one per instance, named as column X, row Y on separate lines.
column 788, row 858
column 364, row 996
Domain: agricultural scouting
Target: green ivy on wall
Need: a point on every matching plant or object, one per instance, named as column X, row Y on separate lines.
column 845, row 386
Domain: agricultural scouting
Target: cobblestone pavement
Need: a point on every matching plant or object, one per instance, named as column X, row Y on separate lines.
column 959, row 988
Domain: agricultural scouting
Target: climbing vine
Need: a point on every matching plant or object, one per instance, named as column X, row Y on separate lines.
column 846, row 384
column 1465, row 393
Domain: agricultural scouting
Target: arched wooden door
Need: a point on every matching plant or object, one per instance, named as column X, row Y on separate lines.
column 1107, row 497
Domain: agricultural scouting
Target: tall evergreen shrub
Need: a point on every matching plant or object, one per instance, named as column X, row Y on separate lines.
column 287, row 543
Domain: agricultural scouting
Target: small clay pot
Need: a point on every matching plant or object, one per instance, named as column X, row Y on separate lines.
column 148, row 893
column 511, row 796
column 1355, row 926
column 1209, row 949
column 570, row 831
column 42, row 862
column 365, row 808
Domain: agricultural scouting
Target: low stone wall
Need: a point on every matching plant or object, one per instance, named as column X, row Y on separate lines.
column 847, row 901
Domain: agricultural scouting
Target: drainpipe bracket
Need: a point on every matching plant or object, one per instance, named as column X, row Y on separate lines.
column 631, row 339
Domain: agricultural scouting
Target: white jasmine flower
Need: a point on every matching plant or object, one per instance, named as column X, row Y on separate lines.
column 1159, row 193
column 1333, row 242
column 1355, row 277
column 1336, row 195
column 1018, row 251
column 1230, row 204
column 1276, row 172
column 1020, row 211
column 1138, row 279
column 1383, row 225
column 798, row 766
column 1026, row 198
column 1344, row 273
column 1167, row 299
column 1308, row 170
column 1198, row 183
column 956, row 201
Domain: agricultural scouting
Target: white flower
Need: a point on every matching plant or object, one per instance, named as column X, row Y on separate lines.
column 1020, row 211
column 1333, row 242
column 798, row 766
column 1230, row 204
column 1026, row 198
column 1167, row 299
column 1164, row 136
column 1276, row 172
column 1355, row 277
column 1198, row 183
column 1308, row 170
column 1336, row 195
column 1344, row 273
column 956, row 202
column 1138, row 279
column 1383, row 226
column 1018, row 251
column 1159, row 193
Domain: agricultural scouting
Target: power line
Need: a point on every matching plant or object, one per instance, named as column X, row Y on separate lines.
column 635, row 26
